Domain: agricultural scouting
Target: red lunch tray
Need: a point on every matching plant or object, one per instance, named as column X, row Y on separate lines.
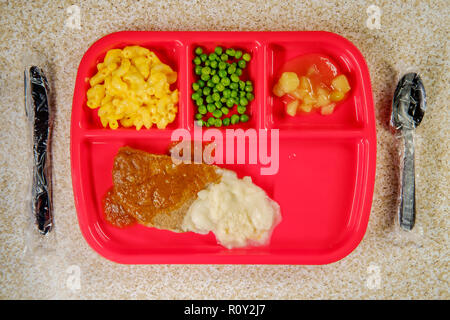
column 326, row 175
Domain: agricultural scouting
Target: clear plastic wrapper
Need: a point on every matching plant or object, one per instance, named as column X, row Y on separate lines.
column 39, row 234
column 408, row 108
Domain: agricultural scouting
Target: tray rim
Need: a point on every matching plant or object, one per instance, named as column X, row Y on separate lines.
column 368, row 132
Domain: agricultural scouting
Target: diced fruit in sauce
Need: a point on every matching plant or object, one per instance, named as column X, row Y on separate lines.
column 289, row 81
column 306, row 107
column 305, row 84
column 278, row 91
column 337, row 96
column 340, row 83
column 311, row 82
column 323, row 97
column 309, row 100
column 291, row 108
column 327, row 109
column 300, row 93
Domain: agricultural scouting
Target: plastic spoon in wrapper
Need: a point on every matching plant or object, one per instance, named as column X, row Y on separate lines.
column 408, row 108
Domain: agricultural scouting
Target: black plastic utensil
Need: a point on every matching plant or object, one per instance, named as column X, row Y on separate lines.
column 408, row 108
column 38, row 112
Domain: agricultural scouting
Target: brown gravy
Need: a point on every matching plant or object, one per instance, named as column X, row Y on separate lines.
column 146, row 185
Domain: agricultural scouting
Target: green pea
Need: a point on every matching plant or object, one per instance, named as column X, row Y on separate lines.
column 226, row 121
column 234, row 119
column 218, row 123
column 204, row 77
column 249, row 88
column 247, row 57
column 217, row 113
column 230, row 52
column 211, row 121
column 241, row 85
column 222, row 73
column 207, row 124
column 213, row 72
column 199, row 102
column 202, row 109
column 243, row 101
column 225, row 110
column 218, row 104
column 218, row 50
column 244, row 118
column 238, row 72
column 207, row 63
column 214, row 90
column 242, row 64
column 203, row 57
column 234, row 64
column 195, row 86
column 241, row 94
column 198, row 116
column 216, row 97
column 212, row 56
column 225, row 81
column 201, row 83
column 198, row 70
column 234, row 86
column 230, row 102
column 234, row 94
column 206, row 90
column 222, row 65
column 223, row 100
column 241, row 109
column 198, row 51
column 209, row 99
column 199, row 122
column 214, row 64
column 227, row 93
column 231, row 69
column 210, row 83
column 215, row 79
column 211, row 107
column 195, row 96
column 224, row 57
column 206, row 70
column 250, row 96
column 197, row 60
column 220, row 87
column 248, row 83
column 234, row 77
column 238, row 54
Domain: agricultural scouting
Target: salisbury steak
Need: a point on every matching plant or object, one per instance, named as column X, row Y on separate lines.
column 152, row 190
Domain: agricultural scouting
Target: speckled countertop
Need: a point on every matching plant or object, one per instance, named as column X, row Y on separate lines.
column 387, row 263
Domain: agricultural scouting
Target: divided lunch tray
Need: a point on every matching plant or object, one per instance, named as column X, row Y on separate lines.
column 326, row 175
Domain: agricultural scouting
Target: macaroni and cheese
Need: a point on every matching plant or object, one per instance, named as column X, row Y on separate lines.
column 132, row 88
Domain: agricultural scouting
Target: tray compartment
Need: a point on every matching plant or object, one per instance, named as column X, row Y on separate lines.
column 169, row 51
column 318, row 186
column 253, row 72
column 96, row 180
column 350, row 113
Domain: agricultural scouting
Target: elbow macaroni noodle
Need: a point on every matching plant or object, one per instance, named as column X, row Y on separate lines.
column 132, row 87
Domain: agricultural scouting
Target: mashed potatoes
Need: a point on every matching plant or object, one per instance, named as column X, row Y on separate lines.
column 237, row 211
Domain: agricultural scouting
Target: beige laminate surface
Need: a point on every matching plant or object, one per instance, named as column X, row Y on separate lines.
column 387, row 263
